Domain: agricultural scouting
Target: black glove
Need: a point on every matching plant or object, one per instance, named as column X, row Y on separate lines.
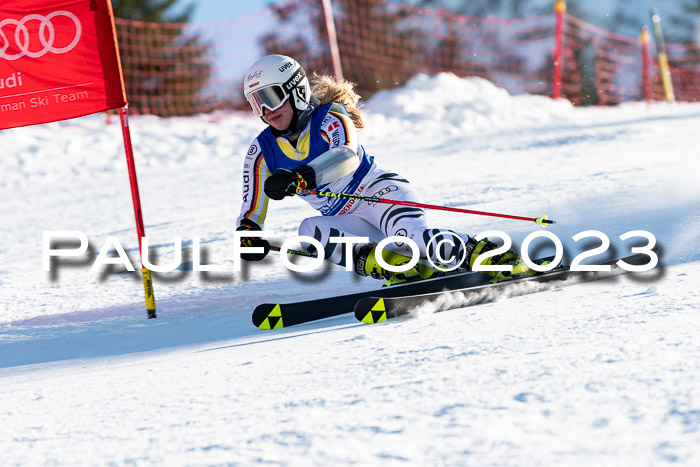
column 248, row 225
column 284, row 182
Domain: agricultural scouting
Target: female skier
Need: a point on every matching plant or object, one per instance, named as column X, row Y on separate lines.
column 311, row 142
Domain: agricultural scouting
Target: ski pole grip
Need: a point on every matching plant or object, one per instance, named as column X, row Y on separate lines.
column 543, row 221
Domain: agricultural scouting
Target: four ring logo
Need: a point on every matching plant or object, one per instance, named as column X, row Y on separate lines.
column 384, row 191
column 46, row 35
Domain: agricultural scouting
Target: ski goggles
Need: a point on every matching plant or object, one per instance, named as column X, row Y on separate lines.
column 270, row 97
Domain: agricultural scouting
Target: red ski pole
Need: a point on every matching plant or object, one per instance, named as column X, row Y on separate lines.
column 543, row 221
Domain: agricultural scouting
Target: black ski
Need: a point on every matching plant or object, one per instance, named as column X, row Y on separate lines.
column 279, row 315
column 282, row 315
column 377, row 309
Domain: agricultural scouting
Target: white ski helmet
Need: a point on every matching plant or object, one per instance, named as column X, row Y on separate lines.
column 272, row 80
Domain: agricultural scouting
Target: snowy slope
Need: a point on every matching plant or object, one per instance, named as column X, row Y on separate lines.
column 604, row 372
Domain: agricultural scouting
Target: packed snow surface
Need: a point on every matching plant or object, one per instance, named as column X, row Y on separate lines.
column 597, row 373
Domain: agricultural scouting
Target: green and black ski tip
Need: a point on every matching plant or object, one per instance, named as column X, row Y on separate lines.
column 268, row 316
column 373, row 309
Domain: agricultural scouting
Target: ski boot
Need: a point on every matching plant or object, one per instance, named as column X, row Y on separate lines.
column 520, row 269
column 366, row 265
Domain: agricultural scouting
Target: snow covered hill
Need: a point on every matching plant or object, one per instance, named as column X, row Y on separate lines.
column 606, row 372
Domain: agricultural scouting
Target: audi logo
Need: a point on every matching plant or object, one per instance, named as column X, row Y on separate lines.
column 46, row 36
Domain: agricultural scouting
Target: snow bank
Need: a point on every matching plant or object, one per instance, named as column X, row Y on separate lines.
column 90, row 146
column 450, row 105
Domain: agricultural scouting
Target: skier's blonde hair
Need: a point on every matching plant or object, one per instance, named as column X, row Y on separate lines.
column 327, row 90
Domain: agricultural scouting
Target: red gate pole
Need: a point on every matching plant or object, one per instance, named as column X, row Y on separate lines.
column 646, row 61
column 559, row 10
column 332, row 39
column 146, row 274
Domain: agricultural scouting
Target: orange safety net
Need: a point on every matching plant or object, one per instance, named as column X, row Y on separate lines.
column 602, row 67
column 684, row 62
column 383, row 44
column 181, row 69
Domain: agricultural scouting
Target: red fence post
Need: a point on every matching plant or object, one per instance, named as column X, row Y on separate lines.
column 644, row 42
column 559, row 10
column 332, row 38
